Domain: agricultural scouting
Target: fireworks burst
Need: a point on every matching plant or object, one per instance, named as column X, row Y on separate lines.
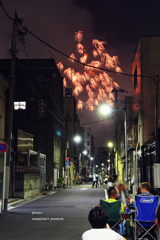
column 96, row 82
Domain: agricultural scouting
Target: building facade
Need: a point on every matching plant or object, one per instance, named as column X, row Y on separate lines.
column 145, row 66
column 38, row 110
column 72, row 128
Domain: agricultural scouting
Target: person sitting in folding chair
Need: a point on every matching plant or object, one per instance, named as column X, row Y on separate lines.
column 113, row 207
column 145, row 216
column 112, row 197
column 145, row 189
column 98, row 219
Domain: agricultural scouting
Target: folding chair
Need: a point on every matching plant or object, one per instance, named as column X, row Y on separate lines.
column 145, row 215
column 113, row 210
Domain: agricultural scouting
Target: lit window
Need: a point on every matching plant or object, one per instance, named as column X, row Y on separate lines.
column 19, row 105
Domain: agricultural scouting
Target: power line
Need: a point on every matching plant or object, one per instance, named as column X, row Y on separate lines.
column 84, row 64
column 39, row 96
column 50, row 95
column 4, row 10
column 95, row 121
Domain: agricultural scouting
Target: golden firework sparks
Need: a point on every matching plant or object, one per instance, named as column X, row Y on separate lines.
column 96, row 82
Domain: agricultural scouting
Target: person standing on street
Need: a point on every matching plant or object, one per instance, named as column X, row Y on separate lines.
column 95, row 180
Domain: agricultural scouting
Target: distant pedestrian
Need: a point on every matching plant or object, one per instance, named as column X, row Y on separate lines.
column 110, row 183
column 105, row 181
column 98, row 180
column 95, row 179
column 107, row 186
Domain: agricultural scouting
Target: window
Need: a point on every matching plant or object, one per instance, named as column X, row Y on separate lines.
column 42, row 109
column 88, row 143
column 19, row 105
column 135, row 78
column 88, row 151
column 87, row 134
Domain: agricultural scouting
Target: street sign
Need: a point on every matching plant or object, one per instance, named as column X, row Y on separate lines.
column 67, row 161
column 3, row 147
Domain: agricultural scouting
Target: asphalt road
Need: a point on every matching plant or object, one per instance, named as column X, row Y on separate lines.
column 60, row 216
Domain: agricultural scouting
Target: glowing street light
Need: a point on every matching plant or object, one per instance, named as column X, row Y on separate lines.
column 91, row 158
column 85, row 152
column 77, row 139
column 110, row 144
column 105, row 110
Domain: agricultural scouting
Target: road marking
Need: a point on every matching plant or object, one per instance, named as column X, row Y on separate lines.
column 83, row 188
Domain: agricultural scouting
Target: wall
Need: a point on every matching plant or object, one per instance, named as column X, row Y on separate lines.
column 40, row 85
column 146, row 58
column 27, row 184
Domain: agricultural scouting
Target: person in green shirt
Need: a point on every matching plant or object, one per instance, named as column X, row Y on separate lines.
column 112, row 196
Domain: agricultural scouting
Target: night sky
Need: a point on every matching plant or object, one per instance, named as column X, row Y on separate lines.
column 119, row 23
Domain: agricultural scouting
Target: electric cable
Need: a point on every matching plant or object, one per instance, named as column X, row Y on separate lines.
column 61, row 115
column 95, row 121
column 39, row 96
column 84, row 64
column 102, row 69
column 1, row 4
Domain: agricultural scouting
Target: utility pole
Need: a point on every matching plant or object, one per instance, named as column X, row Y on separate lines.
column 116, row 107
column 6, row 178
column 156, row 118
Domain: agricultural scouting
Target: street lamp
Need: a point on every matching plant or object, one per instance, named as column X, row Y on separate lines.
column 125, row 129
column 77, row 139
column 105, row 109
column 91, row 158
column 112, row 156
column 84, row 154
column 110, row 144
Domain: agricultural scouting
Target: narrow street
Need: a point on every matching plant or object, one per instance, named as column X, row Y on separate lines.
column 62, row 215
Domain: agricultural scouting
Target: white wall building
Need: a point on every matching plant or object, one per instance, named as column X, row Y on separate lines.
column 87, row 142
